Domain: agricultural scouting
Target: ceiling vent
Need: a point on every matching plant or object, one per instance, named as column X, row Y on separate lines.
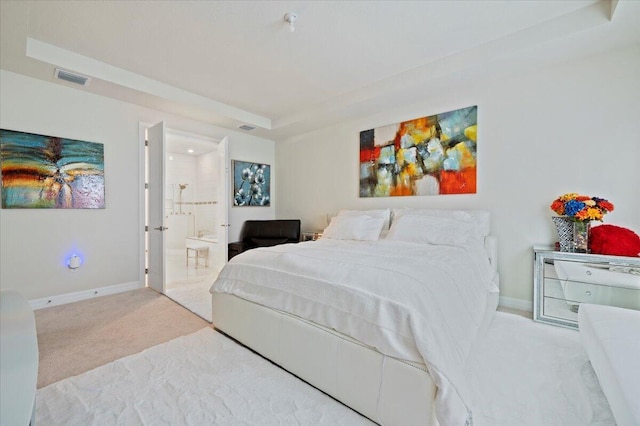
column 246, row 127
column 72, row 77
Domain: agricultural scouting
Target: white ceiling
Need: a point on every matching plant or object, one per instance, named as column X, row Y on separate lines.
column 179, row 143
column 234, row 62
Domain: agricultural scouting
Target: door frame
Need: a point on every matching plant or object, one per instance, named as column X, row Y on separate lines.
column 142, row 172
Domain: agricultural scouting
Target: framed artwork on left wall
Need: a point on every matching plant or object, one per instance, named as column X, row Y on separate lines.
column 251, row 184
column 50, row 172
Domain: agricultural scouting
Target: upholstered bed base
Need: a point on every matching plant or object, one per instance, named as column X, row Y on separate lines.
column 389, row 391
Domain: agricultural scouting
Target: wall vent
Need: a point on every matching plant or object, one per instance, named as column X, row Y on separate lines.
column 72, row 77
column 246, row 127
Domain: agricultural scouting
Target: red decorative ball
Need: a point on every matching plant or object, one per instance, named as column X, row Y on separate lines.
column 614, row 240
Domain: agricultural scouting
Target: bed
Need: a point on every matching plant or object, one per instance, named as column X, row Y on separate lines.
column 379, row 318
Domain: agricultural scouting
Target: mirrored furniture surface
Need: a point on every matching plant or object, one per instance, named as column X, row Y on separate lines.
column 562, row 281
column 311, row 236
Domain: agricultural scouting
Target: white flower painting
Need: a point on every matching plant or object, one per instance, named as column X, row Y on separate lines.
column 251, row 184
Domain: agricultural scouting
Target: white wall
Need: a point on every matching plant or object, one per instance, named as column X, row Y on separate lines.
column 34, row 243
column 570, row 128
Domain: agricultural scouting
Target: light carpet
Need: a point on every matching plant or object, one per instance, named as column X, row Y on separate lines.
column 194, row 296
column 77, row 337
column 530, row 374
column 200, row 379
column 522, row 373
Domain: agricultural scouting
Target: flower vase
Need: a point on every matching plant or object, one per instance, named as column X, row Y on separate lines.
column 564, row 226
column 580, row 243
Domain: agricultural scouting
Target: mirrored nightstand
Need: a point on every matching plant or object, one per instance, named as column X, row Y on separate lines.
column 562, row 281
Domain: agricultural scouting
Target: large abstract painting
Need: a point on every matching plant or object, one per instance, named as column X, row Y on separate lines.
column 50, row 172
column 251, row 184
column 426, row 156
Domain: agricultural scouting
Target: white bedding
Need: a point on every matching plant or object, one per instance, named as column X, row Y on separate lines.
column 413, row 301
column 611, row 338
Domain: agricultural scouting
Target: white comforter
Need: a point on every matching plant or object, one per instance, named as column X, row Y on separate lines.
column 413, row 301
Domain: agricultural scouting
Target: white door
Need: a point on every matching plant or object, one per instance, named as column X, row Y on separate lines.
column 156, row 207
column 223, row 204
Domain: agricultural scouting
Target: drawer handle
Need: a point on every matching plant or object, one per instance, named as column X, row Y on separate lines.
column 588, row 293
column 588, row 272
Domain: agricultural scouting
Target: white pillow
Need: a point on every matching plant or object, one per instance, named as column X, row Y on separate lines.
column 383, row 213
column 481, row 218
column 359, row 228
column 434, row 230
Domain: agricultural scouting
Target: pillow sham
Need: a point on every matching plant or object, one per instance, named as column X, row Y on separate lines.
column 358, row 228
column 383, row 213
column 481, row 218
column 434, row 230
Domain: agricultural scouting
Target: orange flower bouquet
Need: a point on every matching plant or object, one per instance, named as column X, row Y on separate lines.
column 577, row 211
column 581, row 207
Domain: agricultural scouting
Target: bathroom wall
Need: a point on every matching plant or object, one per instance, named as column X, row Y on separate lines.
column 180, row 219
column 198, row 213
column 207, row 178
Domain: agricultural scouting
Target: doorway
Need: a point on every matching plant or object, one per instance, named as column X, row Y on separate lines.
column 185, row 215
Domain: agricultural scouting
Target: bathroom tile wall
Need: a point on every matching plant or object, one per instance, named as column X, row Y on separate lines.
column 180, row 169
column 207, row 193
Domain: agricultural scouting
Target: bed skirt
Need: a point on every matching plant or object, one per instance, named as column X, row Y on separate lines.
column 387, row 390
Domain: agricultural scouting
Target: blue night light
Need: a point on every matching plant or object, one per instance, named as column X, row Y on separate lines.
column 74, row 261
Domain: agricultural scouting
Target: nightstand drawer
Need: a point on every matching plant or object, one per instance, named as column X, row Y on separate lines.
column 601, row 294
column 562, row 281
column 597, row 273
column 559, row 310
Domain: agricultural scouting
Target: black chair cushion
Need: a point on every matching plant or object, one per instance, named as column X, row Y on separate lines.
column 268, row 242
column 265, row 233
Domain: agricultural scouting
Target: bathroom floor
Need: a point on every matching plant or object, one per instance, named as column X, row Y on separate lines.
column 189, row 286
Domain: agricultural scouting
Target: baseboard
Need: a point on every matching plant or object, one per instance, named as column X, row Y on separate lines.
column 77, row 296
column 522, row 305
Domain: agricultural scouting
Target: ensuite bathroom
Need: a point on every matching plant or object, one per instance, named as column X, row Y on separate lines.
column 191, row 208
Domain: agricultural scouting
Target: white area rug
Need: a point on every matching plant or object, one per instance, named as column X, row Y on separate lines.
column 530, row 374
column 523, row 373
column 200, row 379
column 194, row 296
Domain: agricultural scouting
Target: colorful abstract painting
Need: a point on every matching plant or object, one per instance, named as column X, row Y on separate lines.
column 48, row 172
column 251, row 184
column 426, row 156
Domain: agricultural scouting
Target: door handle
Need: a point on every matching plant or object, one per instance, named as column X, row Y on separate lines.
column 161, row 228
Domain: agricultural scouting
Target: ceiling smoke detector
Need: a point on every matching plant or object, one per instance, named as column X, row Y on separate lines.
column 245, row 127
column 290, row 18
column 72, row 77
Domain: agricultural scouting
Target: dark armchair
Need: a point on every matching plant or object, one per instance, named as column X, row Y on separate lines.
column 265, row 233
